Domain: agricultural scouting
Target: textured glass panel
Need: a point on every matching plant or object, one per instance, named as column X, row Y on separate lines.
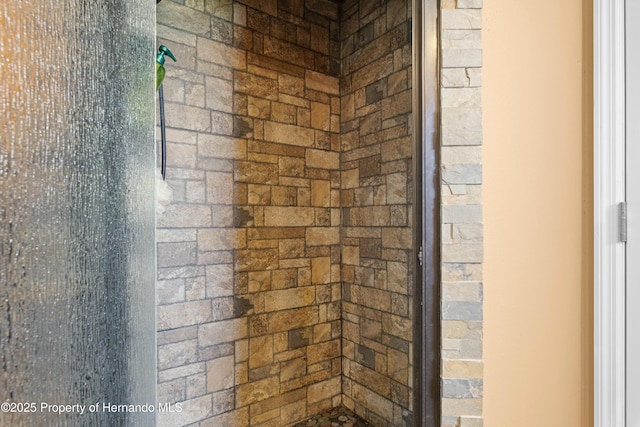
column 77, row 315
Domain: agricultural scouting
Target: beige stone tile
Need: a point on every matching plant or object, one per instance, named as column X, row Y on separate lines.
column 220, row 374
column 177, row 354
column 291, row 319
column 320, row 270
column 266, row 419
column 376, row 402
column 175, row 16
column 351, row 255
column 257, row 259
column 258, row 107
column 284, row 113
column 323, row 351
column 322, row 332
column 462, row 368
column 350, row 179
column 219, row 280
column 183, row 314
column 259, row 281
column 321, row 159
column 397, row 326
column 221, row 331
column 320, row 193
column 457, row 407
column 322, row 82
column 288, row 134
column 373, row 72
column 323, row 390
column 458, row 329
column 293, row 412
column 370, row 216
column 291, row 85
column 256, row 173
column 398, row 277
column 397, row 237
column 291, row 249
column 320, row 116
column 277, row 402
column 187, row 117
column 210, row 239
column 222, row 147
column 294, row 368
column 284, row 196
column 293, row 216
column 218, row 94
column 398, row 366
column 373, row 298
column 259, row 194
column 256, row 391
column 318, row 236
column 220, row 53
column 459, row 252
column 260, row 351
column 289, row 298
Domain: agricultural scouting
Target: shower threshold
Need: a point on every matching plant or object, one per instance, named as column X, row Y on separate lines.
column 336, row 417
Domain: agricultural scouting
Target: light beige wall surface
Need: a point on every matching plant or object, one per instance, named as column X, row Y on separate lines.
column 537, row 103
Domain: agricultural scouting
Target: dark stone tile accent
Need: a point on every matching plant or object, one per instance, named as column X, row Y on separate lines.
column 374, row 92
column 366, row 357
column 242, row 127
column 370, row 166
column 346, row 292
column 364, row 35
column 299, row 338
column 242, row 306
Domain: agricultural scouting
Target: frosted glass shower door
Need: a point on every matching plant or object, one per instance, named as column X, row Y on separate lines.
column 77, row 270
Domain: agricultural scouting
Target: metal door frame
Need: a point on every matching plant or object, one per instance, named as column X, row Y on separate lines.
column 426, row 140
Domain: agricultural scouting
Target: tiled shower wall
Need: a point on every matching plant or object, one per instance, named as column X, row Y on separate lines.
column 377, row 210
column 287, row 183
column 249, row 293
column 241, row 313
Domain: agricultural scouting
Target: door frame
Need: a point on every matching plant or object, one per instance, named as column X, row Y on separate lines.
column 427, row 394
column 609, row 191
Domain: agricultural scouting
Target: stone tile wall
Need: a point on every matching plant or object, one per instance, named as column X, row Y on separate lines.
column 377, row 196
column 462, row 232
column 286, row 184
column 249, row 315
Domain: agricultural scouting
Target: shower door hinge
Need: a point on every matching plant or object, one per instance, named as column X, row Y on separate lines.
column 420, row 256
column 622, row 221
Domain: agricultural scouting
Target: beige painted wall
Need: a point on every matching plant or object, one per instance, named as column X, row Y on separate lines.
column 537, row 103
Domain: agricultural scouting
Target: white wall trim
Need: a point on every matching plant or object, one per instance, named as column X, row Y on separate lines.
column 609, row 189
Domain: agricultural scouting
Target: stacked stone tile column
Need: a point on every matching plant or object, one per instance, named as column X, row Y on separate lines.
column 462, row 232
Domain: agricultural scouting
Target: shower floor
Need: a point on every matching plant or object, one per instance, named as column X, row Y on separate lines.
column 338, row 417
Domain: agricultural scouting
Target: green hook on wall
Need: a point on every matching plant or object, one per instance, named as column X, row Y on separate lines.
column 160, row 71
